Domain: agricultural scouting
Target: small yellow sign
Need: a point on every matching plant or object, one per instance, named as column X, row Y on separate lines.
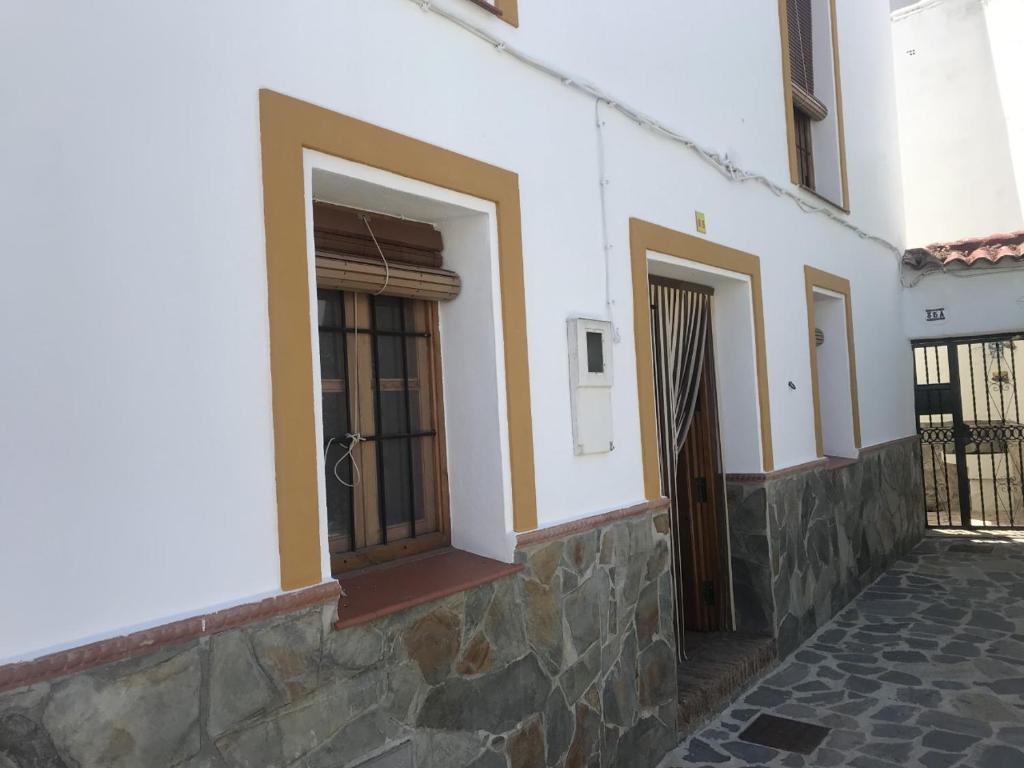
column 702, row 226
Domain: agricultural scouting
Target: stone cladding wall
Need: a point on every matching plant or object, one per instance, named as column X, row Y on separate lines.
column 804, row 545
column 570, row 662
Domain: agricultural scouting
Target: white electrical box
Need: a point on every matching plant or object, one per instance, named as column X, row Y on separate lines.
column 590, row 385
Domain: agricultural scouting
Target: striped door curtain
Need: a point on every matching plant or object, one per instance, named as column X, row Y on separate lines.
column 680, row 320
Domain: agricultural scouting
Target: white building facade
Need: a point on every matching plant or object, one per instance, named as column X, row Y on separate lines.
column 163, row 443
column 960, row 55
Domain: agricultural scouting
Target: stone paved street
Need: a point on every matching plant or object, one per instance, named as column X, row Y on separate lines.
column 924, row 668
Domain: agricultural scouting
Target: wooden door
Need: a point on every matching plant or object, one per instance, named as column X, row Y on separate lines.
column 700, row 488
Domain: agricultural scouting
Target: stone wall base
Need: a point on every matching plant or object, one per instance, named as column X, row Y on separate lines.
column 570, row 662
column 804, row 544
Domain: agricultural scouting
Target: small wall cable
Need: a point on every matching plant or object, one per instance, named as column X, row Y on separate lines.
column 602, row 182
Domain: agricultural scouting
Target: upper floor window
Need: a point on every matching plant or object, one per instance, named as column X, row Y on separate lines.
column 814, row 98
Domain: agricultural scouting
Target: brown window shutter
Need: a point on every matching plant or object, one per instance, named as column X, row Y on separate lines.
column 801, row 51
column 342, row 230
column 809, row 104
column 349, row 273
column 347, row 258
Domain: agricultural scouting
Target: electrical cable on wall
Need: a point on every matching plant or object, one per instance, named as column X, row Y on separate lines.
column 602, row 182
column 722, row 164
column 957, row 272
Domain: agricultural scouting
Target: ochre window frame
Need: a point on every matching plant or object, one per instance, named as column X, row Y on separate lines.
column 644, row 237
column 287, row 127
column 506, row 10
column 787, row 93
column 817, row 278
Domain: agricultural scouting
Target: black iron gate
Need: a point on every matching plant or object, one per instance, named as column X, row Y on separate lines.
column 968, row 405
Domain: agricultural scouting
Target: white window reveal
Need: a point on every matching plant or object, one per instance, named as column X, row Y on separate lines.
column 833, row 364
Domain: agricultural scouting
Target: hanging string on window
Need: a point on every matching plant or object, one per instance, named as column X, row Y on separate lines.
column 355, row 437
column 387, row 268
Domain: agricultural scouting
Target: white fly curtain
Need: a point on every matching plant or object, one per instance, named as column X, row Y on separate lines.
column 679, row 325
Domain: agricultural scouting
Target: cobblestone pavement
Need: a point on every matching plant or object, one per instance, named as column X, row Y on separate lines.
column 924, row 668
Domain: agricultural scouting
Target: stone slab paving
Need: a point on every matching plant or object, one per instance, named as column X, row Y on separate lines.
column 925, row 668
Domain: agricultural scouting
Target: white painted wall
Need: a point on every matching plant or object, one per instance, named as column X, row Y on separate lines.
column 137, row 447
column 976, row 301
column 1005, row 21
column 960, row 89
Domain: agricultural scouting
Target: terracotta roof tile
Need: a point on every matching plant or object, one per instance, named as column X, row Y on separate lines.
column 969, row 252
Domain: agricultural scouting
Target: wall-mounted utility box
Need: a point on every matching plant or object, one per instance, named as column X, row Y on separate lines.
column 590, row 385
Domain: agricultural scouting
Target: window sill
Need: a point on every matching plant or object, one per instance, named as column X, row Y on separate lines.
column 832, row 203
column 381, row 591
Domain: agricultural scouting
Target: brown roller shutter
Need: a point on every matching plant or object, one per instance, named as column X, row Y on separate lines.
column 801, row 52
column 809, row 104
column 370, row 276
column 347, row 257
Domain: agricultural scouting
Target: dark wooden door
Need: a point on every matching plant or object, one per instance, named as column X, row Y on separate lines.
column 700, row 489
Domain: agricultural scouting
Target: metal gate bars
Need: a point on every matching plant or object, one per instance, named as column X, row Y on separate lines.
column 968, row 407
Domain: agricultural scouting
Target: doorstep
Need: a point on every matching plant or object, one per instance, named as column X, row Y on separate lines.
column 719, row 666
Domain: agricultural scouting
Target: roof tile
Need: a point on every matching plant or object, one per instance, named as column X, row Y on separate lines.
column 969, row 252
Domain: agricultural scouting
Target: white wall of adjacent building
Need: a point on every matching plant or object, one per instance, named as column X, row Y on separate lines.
column 960, row 91
column 975, row 301
column 136, row 449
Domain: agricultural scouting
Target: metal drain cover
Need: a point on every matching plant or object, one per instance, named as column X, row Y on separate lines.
column 971, row 548
column 783, row 733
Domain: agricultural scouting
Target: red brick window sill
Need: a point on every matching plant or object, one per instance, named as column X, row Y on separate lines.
column 383, row 590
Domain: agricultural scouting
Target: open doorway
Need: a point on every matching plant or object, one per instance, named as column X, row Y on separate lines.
column 691, row 453
column 714, row 660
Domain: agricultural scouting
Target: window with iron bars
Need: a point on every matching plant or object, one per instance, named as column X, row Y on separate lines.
column 804, row 148
column 807, row 107
column 380, row 377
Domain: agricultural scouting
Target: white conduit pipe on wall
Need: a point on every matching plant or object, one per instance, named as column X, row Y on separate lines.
column 721, row 164
column 602, row 181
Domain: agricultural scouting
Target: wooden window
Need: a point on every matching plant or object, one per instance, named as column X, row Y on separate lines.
column 384, row 451
column 381, row 396
column 370, row 252
column 804, row 148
